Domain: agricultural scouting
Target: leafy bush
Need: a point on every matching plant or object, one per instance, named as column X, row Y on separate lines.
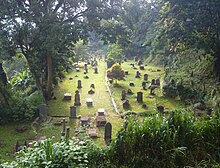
column 50, row 154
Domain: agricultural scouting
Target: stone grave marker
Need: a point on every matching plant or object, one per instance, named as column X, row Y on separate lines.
column 141, row 67
column 153, row 82
column 144, row 84
column 160, row 108
column 131, row 83
column 85, row 120
column 79, row 84
column 123, row 95
column 129, row 91
column 72, row 112
column 100, row 117
column 126, row 72
column 67, row 96
column 92, row 86
column 126, row 104
column 146, row 77
column 64, row 127
column 43, row 111
column 77, row 69
column 91, row 91
column 91, row 132
column 108, row 132
column 137, row 74
column 89, row 102
column 67, row 134
column 77, row 98
column 140, row 97
column 158, row 82
column 139, row 62
column 95, row 70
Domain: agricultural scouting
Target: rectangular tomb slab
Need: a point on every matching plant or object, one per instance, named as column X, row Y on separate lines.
column 100, row 121
column 91, row 132
column 101, row 112
column 67, row 96
column 85, row 120
column 89, row 102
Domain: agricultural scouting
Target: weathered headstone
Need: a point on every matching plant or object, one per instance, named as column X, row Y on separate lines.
column 140, row 97
column 144, row 84
column 139, row 62
column 64, row 127
column 79, row 84
column 153, row 82
column 92, row 86
column 157, row 81
column 123, row 95
column 77, row 69
column 67, row 96
column 67, row 135
column 95, row 70
column 72, row 112
column 160, row 108
column 137, row 74
column 131, row 83
column 141, row 67
column 43, row 111
column 146, row 77
column 132, row 65
column 77, row 98
column 85, row 120
column 91, row 91
column 126, row 104
column 135, row 58
column 108, row 132
column 129, row 91
column 126, row 72
column 89, row 102
column 144, row 106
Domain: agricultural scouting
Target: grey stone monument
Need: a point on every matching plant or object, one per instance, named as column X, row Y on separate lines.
column 67, row 135
column 126, row 104
column 43, row 111
column 146, row 77
column 144, row 84
column 140, row 97
column 153, row 82
column 137, row 74
column 64, row 127
column 79, row 84
column 123, row 95
column 92, row 86
column 77, row 98
column 108, row 132
column 96, row 70
column 158, row 82
column 72, row 112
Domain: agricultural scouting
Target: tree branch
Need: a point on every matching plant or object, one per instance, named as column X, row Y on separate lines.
column 60, row 3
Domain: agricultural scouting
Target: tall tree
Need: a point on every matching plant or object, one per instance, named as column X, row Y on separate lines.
column 44, row 30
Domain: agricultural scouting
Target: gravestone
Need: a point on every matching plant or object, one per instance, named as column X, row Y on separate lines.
column 132, row 65
column 79, row 84
column 64, row 127
column 141, row 67
column 43, row 111
column 77, row 98
column 144, row 84
column 153, row 82
column 108, row 132
column 72, row 112
column 67, row 96
column 131, row 83
column 96, row 70
column 91, row 132
column 85, row 66
column 123, row 95
column 89, row 102
column 140, row 97
column 129, row 91
column 91, row 91
column 85, row 120
column 158, row 82
column 160, row 108
column 67, row 135
column 146, row 77
column 110, row 81
column 135, row 58
column 137, row 74
column 144, row 106
column 139, row 62
column 126, row 72
column 92, row 86
column 77, row 69
column 126, row 104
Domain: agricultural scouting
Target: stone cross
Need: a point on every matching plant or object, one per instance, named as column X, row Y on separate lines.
column 140, row 97
column 108, row 132
column 77, row 98
column 79, row 84
column 123, row 95
column 72, row 112
column 146, row 77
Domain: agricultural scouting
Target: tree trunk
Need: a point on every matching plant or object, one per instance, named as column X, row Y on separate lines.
column 49, row 76
column 3, row 77
column 217, row 62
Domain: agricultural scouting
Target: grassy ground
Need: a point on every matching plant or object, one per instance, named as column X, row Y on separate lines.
column 148, row 99
column 101, row 99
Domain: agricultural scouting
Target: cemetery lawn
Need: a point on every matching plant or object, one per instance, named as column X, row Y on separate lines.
column 101, row 99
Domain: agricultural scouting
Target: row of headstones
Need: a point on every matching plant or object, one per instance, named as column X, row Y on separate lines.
column 86, row 68
column 107, row 135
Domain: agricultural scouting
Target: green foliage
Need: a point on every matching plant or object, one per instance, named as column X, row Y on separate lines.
column 115, row 53
column 116, row 72
column 52, row 154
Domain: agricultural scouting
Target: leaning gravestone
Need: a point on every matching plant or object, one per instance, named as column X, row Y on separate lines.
column 79, row 84
column 108, row 132
column 77, row 98
column 123, row 95
column 153, row 82
column 72, row 112
column 43, row 112
column 140, row 97
column 146, row 77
